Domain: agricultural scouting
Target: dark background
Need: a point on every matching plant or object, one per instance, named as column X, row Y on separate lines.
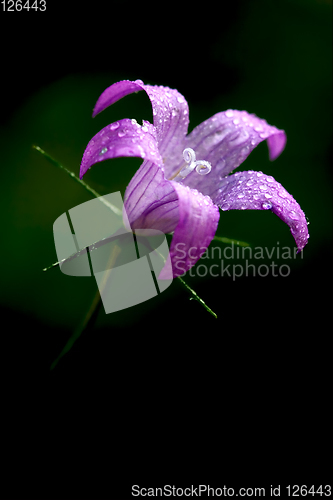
column 163, row 393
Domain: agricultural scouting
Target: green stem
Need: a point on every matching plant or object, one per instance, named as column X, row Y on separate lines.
column 196, row 297
column 85, row 324
column 84, row 184
column 230, row 241
column 92, row 313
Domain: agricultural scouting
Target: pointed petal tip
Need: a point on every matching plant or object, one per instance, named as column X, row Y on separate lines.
column 123, row 138
column 115, row 92
column 276, row 144
column 255, row 191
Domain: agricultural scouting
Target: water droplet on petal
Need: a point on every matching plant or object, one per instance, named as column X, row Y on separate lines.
column 293, row 215
column 263, row 187
column 229, row 113
column 122, row 132
column 104, row 150
column 225, row 206
column 114, row 126
column 241, row 195
column 250, row 182
column 266, row 205
column 139, row 82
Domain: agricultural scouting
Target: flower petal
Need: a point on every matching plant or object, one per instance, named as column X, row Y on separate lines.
column 256, row 191
column 150, row 200
column 225, row 140
column 115, row 92
column 170, row 111
column 153, row 202
column 197, row 224
column 123, row 138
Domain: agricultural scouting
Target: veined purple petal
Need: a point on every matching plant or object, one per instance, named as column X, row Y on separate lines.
column 123, row 138
column 257, row 191
column 170, row 112
column 197, row 224
column 225, row 140
column 153, row 202
column 150, row 200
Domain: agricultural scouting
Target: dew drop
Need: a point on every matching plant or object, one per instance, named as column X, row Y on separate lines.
column 114, row 126
column 225, row 206
column 293, row 215
column 229, row 113
column 139, row 82
column 104, row 150
column 241, row 195
column 121, row 133
column 250, row 182
column 263, row 187
column 266, row 205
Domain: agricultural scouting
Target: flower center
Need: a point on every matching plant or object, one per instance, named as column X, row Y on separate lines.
column 202, row 167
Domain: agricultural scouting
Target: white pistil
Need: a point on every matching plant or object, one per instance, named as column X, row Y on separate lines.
column 202, row 167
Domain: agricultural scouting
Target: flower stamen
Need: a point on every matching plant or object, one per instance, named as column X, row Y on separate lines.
column 202, row 167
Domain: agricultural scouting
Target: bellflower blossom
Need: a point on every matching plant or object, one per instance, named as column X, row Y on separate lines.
column 184, row 179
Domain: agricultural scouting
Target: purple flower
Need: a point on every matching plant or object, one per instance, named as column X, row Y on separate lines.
column 184, row 179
